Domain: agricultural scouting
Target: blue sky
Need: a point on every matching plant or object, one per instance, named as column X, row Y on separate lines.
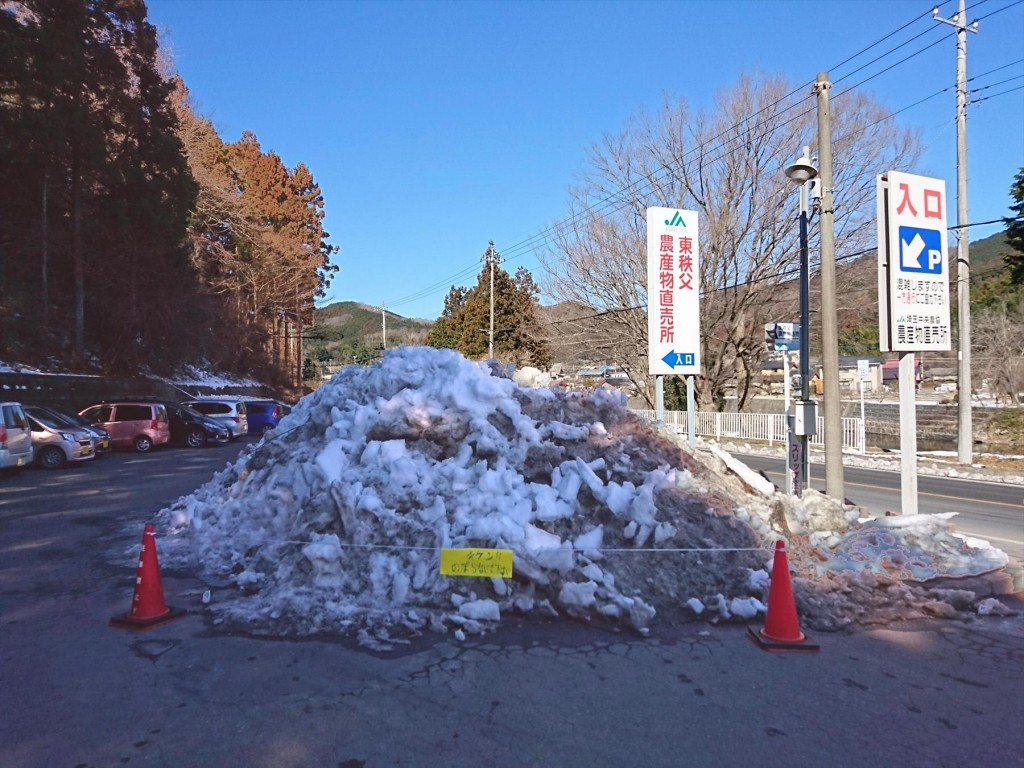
column 435, row 127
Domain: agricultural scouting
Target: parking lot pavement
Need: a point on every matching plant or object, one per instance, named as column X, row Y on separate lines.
column 76, row 692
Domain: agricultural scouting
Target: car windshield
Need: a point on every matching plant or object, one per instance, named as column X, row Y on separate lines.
column 72, row 418
column 187, row 411
column 64, row 418
column 210, row 408
column 47, row 420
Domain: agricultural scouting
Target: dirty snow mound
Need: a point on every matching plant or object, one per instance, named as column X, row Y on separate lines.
column 336, row 523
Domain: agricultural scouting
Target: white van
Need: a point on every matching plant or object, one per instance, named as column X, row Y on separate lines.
column 15, row 436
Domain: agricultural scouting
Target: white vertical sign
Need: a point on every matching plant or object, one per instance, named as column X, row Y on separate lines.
column 864, row 370
column 673, row 292
column 913, row 276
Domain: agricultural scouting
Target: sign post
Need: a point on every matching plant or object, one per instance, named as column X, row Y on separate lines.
column 794, row 458
column 673, row 300
column 786, row 338
column 913, row 293
column 863, row 374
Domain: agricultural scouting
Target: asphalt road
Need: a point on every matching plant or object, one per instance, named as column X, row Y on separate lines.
column 77, row 693
column 992, row 511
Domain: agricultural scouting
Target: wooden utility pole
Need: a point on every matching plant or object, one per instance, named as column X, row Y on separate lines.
column 832, row 409
column 965, row 428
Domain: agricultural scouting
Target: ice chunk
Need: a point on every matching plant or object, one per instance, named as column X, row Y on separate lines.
column 480, row 610
column 578, row 595
column 746, row 607
column 590, row 542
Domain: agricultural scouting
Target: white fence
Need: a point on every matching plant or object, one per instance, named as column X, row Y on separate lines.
column 764, row 427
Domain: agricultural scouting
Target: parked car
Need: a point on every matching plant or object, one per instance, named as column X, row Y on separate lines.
column 131, row 424
column 264, row 415
column 100, row 435
column 15, row 436
column 54, row 443
column 229, row 411
column 194, row 429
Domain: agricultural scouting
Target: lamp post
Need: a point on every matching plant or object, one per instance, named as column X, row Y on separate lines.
column 803, row 420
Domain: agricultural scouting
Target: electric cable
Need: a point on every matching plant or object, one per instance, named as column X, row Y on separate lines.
column 614, row 201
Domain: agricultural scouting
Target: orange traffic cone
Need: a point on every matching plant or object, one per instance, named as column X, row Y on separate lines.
column 781, row 628
column 148, row 606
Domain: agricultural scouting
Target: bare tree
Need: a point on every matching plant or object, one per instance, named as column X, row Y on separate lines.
column 997, row 339
column 727, row 164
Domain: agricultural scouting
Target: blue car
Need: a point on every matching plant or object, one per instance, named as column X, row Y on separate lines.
column 264, row 415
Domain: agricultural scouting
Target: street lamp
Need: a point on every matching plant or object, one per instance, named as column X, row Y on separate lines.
column 803, row 420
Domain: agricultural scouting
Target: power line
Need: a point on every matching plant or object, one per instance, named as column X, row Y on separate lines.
column 998, row 10
column 613, row 202
column 755, row 280
column 994, row 95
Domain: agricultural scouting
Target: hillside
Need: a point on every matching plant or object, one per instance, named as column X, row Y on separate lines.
column 574, row 343
column 348, row 331
column 987, row 254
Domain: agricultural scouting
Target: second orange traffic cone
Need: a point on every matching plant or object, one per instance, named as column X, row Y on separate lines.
column 781, row 627
column 148, row 606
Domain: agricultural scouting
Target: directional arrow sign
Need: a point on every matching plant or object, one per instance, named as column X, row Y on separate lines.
column 910, row 253
column 681, row 359
column 917, row 245
column 913, row 270
column 673, row 292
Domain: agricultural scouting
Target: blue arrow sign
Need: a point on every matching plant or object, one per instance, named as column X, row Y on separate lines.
column 920, row 250
column 673, row 358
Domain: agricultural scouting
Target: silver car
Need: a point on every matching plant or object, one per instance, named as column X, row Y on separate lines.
column 54, row 443
column 15, row 438
column 229, row 411
column 100, row 435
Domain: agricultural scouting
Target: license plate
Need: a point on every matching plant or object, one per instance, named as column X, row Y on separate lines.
column 104, row 444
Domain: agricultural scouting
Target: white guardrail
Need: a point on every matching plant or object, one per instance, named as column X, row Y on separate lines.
column 765, row 427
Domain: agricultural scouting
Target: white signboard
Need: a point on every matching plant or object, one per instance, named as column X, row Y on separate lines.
column 864, row 370
column 913, row 271
column 786, row 337
column 673, row 292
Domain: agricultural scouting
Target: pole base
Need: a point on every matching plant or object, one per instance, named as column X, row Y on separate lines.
column 779, row 647
column 127, row 621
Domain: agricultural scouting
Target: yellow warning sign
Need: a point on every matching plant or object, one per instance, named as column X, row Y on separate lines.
column 477, row 562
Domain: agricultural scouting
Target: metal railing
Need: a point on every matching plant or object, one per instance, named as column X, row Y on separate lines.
column 763, row 427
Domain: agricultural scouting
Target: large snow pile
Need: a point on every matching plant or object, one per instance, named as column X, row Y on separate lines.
column 335, row 521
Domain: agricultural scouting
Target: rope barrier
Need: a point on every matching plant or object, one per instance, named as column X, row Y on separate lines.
column 602, row 550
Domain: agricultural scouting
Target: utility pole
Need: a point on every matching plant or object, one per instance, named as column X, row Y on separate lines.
column 965, row 431
column 829, row 325
column 490, row 257
column 384, row 325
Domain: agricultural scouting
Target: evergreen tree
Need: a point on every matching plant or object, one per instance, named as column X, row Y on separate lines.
column 1015, row 230
column 465, row 321
column 96, row 187
column 448, row 328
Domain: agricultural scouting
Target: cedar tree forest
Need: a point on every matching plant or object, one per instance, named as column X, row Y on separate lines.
column 132, row 236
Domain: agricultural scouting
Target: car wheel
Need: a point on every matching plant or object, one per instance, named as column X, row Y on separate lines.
column 51, row 457
column 195, row 439
column 143, row 444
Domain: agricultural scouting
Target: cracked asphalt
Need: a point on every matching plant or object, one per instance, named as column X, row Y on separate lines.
column 77, row 693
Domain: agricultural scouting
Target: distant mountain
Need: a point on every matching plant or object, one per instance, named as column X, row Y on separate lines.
column 574, row 343
column 348, row 328
column 986, row 255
